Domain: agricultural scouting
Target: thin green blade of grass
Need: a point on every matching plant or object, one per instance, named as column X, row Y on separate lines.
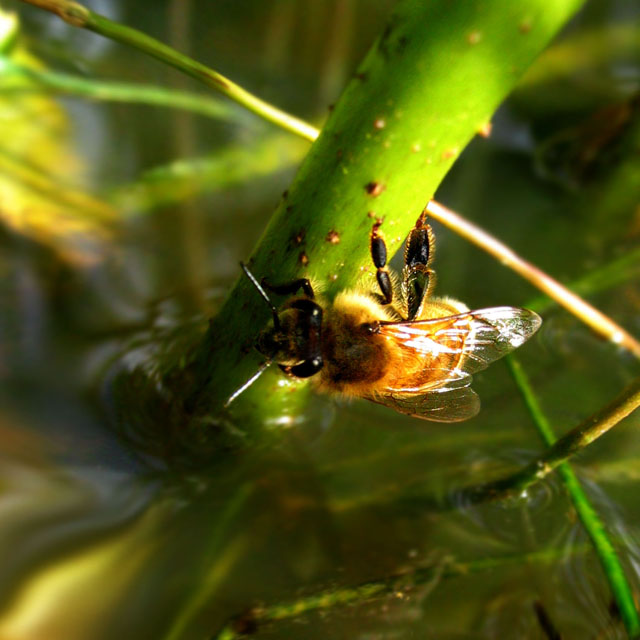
column 15, row 78
column 80, row 16
column 589, row 518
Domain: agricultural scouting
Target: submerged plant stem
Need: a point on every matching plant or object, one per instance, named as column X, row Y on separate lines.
column 399, row 586
column 573, row 442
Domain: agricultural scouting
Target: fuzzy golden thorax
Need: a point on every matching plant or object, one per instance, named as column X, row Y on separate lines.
column 354, row 355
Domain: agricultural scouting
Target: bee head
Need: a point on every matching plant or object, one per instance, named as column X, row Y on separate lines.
column 275, row 340
column 295, row 337
column 369, row 328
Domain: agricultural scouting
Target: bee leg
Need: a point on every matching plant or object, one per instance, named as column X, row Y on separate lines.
column 290, row 288
column 379, row 257
column 418, row 279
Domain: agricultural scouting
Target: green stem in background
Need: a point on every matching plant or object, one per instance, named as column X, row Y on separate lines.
column 573, row 442
column 398, row 586
column 556, row 457
column 80, row 16
column 31, row 80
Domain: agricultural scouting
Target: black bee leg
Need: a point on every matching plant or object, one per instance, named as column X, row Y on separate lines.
column 290, row 288
column 418, row 279
column 379, row 257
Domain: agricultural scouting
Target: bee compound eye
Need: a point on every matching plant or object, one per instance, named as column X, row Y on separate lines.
column 370, row 327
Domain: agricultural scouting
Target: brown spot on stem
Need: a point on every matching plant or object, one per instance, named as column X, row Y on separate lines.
column 374, row 188
column 333, row 237
column 298, row 239
column 303, row 259
column 484, row 130
column 525, row 26
column 379, row 123
column 447, row 154
column 474, row 37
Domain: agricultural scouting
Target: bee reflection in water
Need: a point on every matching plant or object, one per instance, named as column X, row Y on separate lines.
column 399, row 346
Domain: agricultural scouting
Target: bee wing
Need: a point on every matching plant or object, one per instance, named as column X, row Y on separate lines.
column 452, row 403
column 466, row 343
column 479, row 337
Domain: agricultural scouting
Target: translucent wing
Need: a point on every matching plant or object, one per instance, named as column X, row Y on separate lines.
column 453, row 403
column 442, row 353
column 467, row 342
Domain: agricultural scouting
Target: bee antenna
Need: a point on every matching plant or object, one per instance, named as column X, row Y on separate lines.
column 247, row 384
column 262, row 292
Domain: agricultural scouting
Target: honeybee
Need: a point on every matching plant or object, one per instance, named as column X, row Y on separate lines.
column 400, row 346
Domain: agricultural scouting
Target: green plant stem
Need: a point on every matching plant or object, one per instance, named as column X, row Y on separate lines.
column 37, row 80
column 399, row 586
column 573, row 442
column 588, row 516
column 78, row 15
